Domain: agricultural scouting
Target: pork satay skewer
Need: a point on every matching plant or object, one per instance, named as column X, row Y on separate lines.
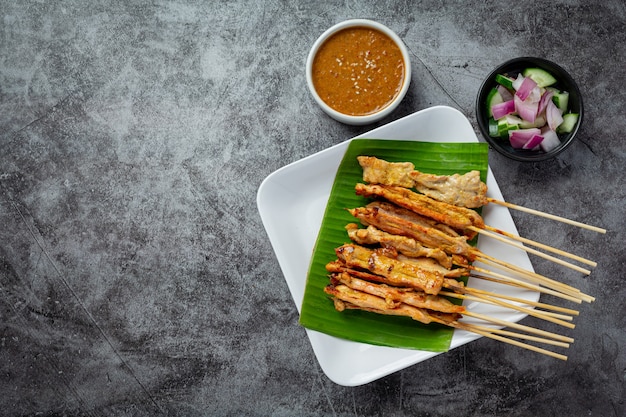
column 396, row 272
column 434, row 302
column 429, row 302
column 397, row 220
column 462, row 219
column 347, row 298
column 411, row 247
column 465, row 190
column 380, row 303
column 392, row 295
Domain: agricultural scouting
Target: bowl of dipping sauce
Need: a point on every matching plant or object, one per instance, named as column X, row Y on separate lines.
column 358, row 71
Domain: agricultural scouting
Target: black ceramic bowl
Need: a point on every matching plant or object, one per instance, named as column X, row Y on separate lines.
column 511, row 68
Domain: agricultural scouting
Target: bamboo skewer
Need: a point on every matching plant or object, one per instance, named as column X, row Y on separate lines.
column 513, row 342
column 537, row 278
column 517, row 335
column 546, row 215
column 517, row 283
column 529, row 311
column 542, row 246
column 492, row 298
column 524, row 301
column 518, row 326
column 571, row 295
column 529, row 250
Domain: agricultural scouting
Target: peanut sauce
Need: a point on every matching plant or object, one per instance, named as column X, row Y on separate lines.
column 358, row 71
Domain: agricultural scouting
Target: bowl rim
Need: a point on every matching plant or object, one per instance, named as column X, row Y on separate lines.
column 369, row 118
column 563, row 77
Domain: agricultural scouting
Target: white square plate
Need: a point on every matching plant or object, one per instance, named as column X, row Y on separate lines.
column 300, row 191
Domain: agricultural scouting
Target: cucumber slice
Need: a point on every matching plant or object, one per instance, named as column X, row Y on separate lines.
column 540, row 121
column 504, row 127
column 569, row 121
column 504, row 81
column 493, row 128
column 493, row 98
column 542, row 77
column 561, row 99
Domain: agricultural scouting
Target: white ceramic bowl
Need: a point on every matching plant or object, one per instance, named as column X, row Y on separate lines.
column 385, row 111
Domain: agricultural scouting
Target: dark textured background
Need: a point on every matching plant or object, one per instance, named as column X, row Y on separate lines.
column 136, row 277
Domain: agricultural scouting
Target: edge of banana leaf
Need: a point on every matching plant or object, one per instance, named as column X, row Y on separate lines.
column 318, row 312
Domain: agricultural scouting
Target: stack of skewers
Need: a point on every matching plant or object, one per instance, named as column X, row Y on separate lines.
column 409, row 254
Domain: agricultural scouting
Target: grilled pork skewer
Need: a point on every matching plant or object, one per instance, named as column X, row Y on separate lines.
column 345, row 298
column 462, row 219
column 465, row 190
column 394, row 294
column 406, row 273
column 459, row 218
column 399, row 221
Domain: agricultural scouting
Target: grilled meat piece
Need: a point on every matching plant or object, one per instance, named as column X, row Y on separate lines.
column 392, row 294
column 402, row 274
column 379, row 171
column 465, row 190
column 399, row 221
column 405, row 245
column 459, row 218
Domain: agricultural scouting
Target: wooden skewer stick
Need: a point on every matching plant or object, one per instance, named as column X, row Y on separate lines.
column 529, row 250
column 513, row 342
column 523, row 301
column 503, row 279
column 529, row 311
column 517, row 283
column 546, row 215
column 518, row 326
column 537, row 278
column 542, row 246
column 518, row 335
column 488, row 300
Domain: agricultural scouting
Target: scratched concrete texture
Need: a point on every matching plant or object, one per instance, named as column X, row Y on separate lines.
column 136, row 276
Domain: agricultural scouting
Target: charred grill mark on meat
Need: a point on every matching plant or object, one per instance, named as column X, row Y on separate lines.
column 405, row 245
column 400, row 273
column 398, row 221
column 459, row 218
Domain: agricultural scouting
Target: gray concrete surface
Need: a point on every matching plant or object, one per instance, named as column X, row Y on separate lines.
column 136, row 277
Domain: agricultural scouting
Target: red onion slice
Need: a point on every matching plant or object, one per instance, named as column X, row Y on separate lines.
column 550, row 139
column 502, row 109
column 525, row 88
column 526, row 109
column 545, row 98
column 533, row 143
column 553, row 115
column 519, row 138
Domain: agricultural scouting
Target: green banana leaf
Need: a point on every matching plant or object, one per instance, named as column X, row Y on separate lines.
column 318, row 312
